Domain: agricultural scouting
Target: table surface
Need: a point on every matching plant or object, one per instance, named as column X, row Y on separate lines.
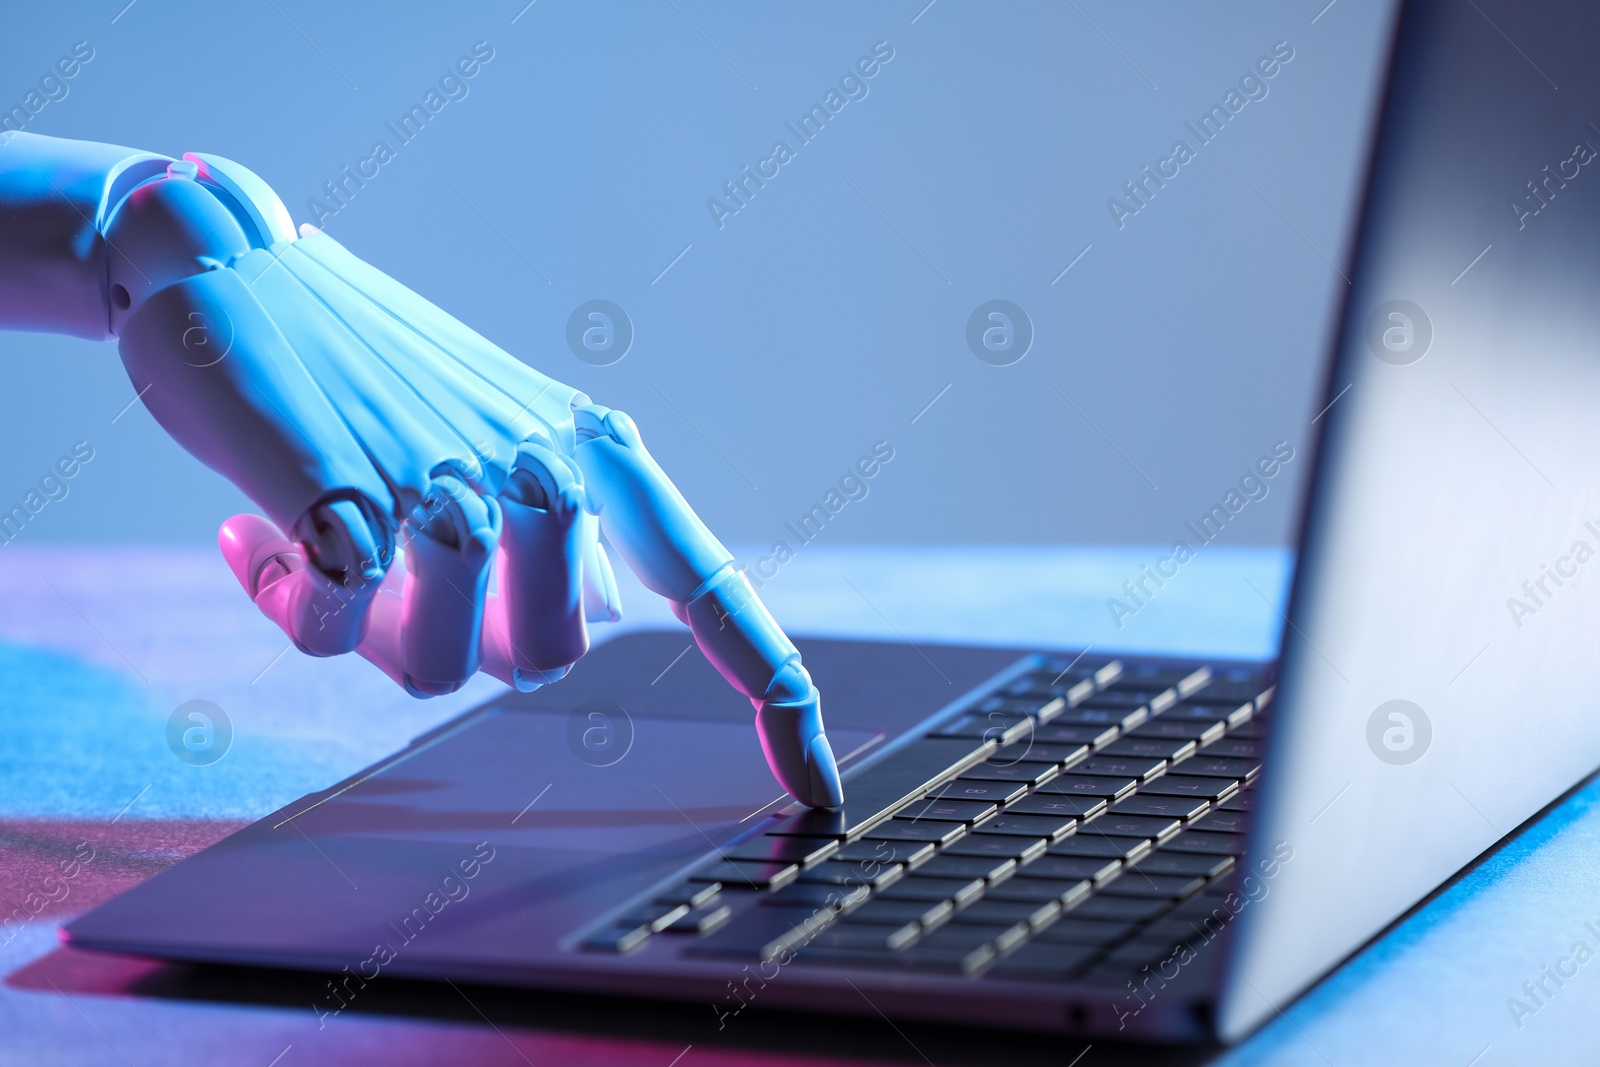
column 99, row 647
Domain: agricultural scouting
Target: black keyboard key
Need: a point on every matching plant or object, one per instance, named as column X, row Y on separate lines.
column 989, row 868
column 1169, row 749
column 942, row 963
column 1138, row 883
column 943, row 809
column 1241, row 801
column 1254, row 729
column 1236, row 748
column 1201, row 732
column 762, row 933
column 1202, row 908
column 1065, row 734
column 1002, row 936
column 816, row 895
column 1026, row 773
column 1184, row 677
column 1096, row 869
column 871, row 795
column 700, row 920
column 1076, row 684
column 1031, row 750
column 998, row 846
column 693, row 894
column 1196, row 681
column 957, row 959
column 1159, row 702
column 1095, row 713
column 1059, row 671
column 819, row 955
column 973, row 789
column 1044, row 962
column 1237, row 683
column 1154, row 827
column 1198, row 678
column 1088, row 844
column 1119, row 909
column 1183, row 808
column 1107, row 674
column 869, row 873
column 1000, row 728
column 1073, row 785
column 1108, row 975
column 1065, row 891
column 770, row 849
column 881, row 911
column 1226, row 822
column 1192, row 864
column 919, row 888
column 991, row 912
column 1079, row 807
column 938, row 833
column 1068, row 690
column 1098, row 933
column 655, row 916
column 1033, row 705
column 1207, row 765
column 883, row 852
column 1103, row 766
column 746, row 874
column 1207, row 843
column 864, row 937
column 1128, row 698
column 1204, row 709
column 1187, row 785
column 1181, row 930
column 1229, row 713
column 618, row 938
column 1140, row 952
column 1047, row 827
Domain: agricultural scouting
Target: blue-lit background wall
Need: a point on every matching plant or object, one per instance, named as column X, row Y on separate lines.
column 777, row 343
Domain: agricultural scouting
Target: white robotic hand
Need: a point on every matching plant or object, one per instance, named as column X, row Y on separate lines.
column 396, row 452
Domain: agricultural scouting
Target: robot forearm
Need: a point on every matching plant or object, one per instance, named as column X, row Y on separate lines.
column 55, row 196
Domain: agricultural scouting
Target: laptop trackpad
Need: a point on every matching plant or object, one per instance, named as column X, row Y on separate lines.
column 592, row 780
column 558, row 816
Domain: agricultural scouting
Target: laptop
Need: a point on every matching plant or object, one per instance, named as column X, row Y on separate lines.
column 1045, row 839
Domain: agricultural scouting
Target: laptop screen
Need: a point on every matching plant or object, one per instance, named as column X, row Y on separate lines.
column 1438, row 681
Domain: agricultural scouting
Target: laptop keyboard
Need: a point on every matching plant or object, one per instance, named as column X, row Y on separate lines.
column 1076, row 824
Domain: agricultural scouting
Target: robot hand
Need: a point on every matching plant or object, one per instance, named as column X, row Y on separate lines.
column 397, row 453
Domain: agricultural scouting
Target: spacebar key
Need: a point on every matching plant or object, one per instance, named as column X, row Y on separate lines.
column 900, row 776
column 763, row 933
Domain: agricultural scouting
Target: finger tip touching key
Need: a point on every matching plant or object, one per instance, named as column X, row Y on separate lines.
column 798, row 752
column 826, row 789
column 659, row 536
